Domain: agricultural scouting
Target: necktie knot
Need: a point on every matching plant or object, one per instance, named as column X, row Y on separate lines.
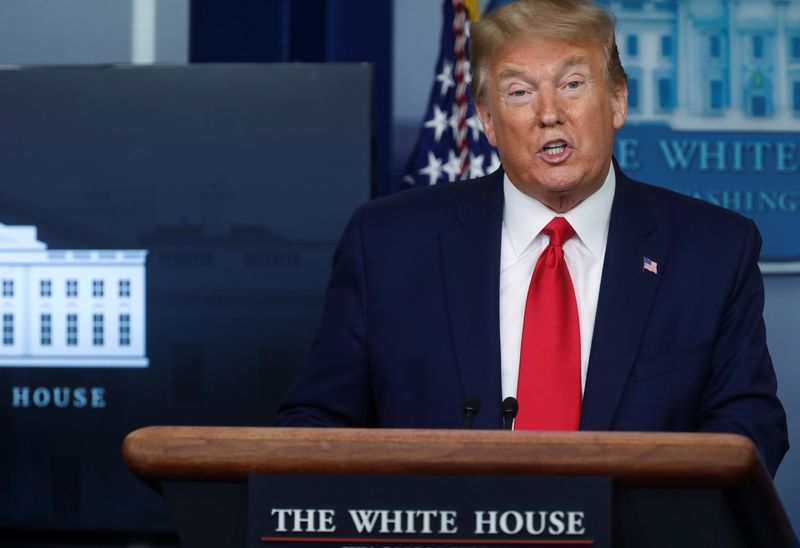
column 559, row 230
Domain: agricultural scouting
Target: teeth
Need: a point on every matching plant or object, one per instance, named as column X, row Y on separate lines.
column 552, row 151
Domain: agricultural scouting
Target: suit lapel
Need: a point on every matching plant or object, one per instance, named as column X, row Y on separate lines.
column 471, row 267
column 626, row 296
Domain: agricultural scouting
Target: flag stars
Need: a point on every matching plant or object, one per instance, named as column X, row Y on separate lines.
column 433, row 170
column 439, row 122
column 494, row 164
column 437, row 157
column 454, row 122
column 476, row 165
column 474, row 123
column 445, row 78
column 453, row 166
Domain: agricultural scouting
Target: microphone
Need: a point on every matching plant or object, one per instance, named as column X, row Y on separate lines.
column 510, row 408
column 471, row 407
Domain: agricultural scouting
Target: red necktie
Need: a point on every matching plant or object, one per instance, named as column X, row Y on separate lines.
column 549, row 389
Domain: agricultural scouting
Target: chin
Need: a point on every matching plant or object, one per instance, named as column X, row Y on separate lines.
column 559, row 186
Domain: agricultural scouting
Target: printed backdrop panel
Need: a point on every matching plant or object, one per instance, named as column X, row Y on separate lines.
column 714, row 106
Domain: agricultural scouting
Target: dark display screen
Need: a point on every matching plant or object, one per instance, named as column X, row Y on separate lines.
column 166, row 237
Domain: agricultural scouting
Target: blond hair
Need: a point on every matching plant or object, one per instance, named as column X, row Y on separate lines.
column 577, row 21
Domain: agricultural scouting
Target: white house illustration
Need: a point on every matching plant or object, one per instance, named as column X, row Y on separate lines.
column 69, row 308
column 712, row 64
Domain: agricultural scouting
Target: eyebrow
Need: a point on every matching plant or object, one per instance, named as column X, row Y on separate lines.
column 514, row 72
column 575, row 60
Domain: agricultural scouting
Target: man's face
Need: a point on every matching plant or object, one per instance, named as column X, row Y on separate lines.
column 551, row 115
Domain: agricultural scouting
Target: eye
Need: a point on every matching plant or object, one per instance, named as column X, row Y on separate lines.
column 518, row 93
column 575, row 84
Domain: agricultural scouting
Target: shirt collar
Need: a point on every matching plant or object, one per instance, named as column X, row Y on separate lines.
column 524, row 217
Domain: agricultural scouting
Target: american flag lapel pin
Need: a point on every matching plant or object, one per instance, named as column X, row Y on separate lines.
column 650, row 265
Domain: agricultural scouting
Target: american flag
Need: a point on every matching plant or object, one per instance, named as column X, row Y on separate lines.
column 650, row 265
column 451, row 144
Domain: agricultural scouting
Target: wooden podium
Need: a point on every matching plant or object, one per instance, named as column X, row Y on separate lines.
column 669, row 490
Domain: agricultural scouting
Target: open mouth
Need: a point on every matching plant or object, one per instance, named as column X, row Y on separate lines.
column 554, row 148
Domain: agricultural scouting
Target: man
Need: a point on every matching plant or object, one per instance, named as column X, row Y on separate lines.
column 600, row 303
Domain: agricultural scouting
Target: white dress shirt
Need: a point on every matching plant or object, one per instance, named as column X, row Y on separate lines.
column 522, row 243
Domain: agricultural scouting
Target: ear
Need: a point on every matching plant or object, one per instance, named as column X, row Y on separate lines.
column 619, row 105
column 485, row 114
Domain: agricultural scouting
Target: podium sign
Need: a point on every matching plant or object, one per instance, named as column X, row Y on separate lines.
column 293, row 511
column 281, row 487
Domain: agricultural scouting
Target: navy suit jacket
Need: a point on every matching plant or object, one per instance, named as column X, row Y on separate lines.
column 411, row 321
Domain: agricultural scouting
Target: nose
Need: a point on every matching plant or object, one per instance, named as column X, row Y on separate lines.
column 549, row 110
